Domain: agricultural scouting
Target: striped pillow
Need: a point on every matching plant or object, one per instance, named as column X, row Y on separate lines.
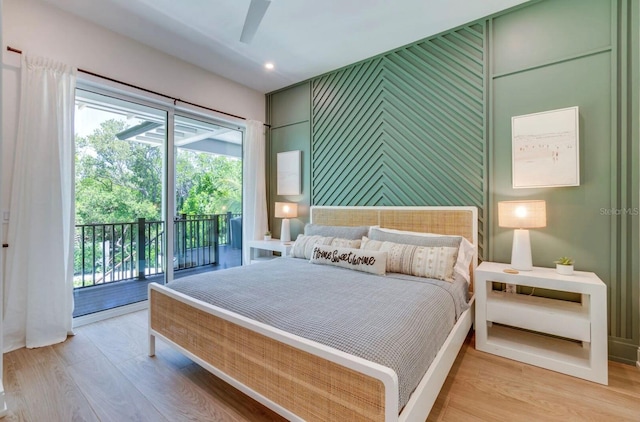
column 422, row 261
column 466, row 250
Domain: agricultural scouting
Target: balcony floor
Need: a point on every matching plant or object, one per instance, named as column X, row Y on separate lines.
column 107, row 296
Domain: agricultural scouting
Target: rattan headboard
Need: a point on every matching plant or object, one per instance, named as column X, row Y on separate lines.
column 459, row 221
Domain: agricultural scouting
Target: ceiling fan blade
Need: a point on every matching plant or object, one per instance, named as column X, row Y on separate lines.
column 256, row 12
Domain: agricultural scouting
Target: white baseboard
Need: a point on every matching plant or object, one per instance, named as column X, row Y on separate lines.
column 109, row 313
column 638, row 361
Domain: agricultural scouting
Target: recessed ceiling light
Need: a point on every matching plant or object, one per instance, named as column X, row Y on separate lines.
column 269, row 65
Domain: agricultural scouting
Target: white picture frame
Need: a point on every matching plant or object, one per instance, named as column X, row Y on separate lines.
column 546, row 149
column 288, row 173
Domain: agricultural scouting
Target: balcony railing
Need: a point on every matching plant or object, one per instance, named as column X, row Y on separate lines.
column 107, row 253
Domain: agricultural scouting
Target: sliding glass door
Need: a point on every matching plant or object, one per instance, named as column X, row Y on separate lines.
column 119, row 242
column 129, row 230
column 208, row 196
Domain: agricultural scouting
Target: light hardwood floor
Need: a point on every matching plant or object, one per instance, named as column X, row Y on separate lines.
column 104, row 374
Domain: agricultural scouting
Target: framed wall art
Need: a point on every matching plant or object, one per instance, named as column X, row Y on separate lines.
column 289, row 173
column 545, row 149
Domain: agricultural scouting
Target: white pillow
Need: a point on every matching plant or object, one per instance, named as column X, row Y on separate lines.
column 303, row 246
column 465, row 256
column 373, row 262
column 466, row 250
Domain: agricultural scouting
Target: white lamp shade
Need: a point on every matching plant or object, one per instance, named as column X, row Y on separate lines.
column 286, row 210
column 522, row 214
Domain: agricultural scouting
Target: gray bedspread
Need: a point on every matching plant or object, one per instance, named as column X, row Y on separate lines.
column 395, row 320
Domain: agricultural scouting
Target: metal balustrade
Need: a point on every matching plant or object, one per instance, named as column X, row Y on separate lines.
column 113, row 252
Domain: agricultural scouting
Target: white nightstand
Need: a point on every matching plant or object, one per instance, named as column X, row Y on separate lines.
column 563, row 336
column 274, row 245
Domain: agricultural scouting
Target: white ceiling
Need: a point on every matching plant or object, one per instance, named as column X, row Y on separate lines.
column 303, row 38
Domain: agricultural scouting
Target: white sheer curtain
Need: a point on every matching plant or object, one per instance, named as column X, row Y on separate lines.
column 39, row 269
column 254, row 198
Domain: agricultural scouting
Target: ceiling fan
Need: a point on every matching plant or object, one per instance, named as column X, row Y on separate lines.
column 256, row 12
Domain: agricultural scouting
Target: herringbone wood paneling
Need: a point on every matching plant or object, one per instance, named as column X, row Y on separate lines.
column 405, row 128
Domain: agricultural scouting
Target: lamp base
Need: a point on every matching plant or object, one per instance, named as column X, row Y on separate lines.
column 285, row 231
column 521, row 251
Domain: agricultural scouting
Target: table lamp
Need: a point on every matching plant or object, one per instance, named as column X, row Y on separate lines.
column 522, row 215
column 286, row 210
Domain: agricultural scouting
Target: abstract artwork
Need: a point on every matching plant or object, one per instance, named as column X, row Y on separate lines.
column 545, row 149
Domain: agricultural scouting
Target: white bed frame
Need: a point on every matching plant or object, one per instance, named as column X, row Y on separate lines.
column 422, row 399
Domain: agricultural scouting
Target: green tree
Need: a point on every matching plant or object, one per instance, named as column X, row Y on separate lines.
column 208, row 184
column 116, row 180
column 121, row 180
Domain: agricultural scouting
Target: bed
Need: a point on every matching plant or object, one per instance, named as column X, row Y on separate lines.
column 294, row 375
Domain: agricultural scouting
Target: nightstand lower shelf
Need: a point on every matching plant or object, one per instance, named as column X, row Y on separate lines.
column 540, row 314
column 256, row 247
column 557, row 354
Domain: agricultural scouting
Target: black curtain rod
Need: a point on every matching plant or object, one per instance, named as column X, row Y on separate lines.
column 175, row 100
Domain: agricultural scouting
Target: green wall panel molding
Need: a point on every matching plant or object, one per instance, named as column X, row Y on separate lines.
column 550, row 30
column 289, row 115
column 289, row 106
column 406, row 128
column 593, row 71
column 430, row 124
column 625, row 276
column 633, row 110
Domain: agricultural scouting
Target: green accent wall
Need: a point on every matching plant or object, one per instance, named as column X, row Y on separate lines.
column 430, row 124
column 289, row 115
column 389, row 131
